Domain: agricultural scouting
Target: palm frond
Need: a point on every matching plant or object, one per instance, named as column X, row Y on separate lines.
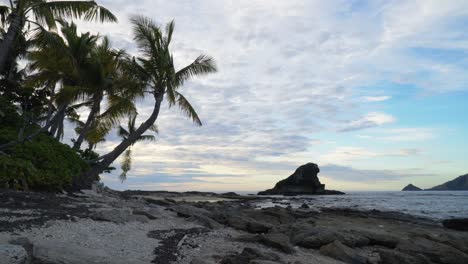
column 154, row 128
column 147, row 35
column 146, row 138
column 187, row 108
column 122, row 132
column 87, row 10
column 202, row 65
column 169, row 31
column 126, row 164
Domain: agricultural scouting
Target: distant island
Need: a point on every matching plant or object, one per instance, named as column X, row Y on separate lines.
column 458, row 184
column 304, row 181
column 411, row 187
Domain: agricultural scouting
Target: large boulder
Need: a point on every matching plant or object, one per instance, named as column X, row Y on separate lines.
column 303, row 181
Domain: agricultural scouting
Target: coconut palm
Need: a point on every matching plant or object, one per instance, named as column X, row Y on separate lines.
column 23, row 16
column 124, row 133
column 156, row 68
column 65, row 61
column 104, row 79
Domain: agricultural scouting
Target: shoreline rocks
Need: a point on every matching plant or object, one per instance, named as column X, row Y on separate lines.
column 112, row 230
column 304, row 181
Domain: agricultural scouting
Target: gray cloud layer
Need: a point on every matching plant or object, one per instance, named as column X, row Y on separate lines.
column 288, row 70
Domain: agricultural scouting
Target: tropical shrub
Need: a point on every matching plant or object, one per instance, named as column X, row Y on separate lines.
column 40, row 164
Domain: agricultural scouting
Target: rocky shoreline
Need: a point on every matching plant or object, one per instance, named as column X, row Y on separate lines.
column 208, row 228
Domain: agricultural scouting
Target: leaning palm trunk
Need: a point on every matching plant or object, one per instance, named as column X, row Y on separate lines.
column 90, row 121
column 8, row 42
column 85, row 180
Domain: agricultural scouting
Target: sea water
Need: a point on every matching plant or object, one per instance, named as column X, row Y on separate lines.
column 430, row 204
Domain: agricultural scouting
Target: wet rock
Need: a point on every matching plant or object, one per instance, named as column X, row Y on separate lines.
column 13, row 254
column 376, row 239
column 275, row 240
column 305, row 206
column 434, row 251
column 460, row 224
column 206, row 221
column 146, row 213
column 258, row 227
column 161, row 202
column 186, row 210
column 315, row 238
column 250, row 254
column 388, row 256
column 341, row 252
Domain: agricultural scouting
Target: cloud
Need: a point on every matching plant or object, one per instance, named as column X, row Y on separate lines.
column 346, row 154
column 373, row 119
column 373, row 99
column 408, row 134
column 290, row 74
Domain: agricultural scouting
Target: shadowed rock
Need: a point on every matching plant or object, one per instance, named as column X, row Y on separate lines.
column 302, row 182
column 456, row 223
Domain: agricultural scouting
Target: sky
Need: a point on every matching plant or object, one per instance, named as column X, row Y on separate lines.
column 374, row 92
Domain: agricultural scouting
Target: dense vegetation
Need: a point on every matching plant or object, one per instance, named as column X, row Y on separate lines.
column 68, row 72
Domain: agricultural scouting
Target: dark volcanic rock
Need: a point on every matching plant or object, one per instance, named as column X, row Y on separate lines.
column 341, row 252
column 303, row 181
column 458, row 184
column 456, row 223
column 411, row 187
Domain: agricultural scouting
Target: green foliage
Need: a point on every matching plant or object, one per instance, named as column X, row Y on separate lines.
column 41, row 164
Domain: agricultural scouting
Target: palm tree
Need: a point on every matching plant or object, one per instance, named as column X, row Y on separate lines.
column 124, row 133
column 156, row 67
column 24, row 16
column 104, row 78
column 63, row 61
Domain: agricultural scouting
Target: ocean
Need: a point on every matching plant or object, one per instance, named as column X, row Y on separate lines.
column 435, row 205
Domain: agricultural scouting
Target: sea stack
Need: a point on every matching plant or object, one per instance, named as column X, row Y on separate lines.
column 411, row 187
column 304, row 181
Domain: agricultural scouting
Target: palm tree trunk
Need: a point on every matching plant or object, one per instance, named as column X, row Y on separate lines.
column 90, row 121
column 85, row 180
column 8, row 42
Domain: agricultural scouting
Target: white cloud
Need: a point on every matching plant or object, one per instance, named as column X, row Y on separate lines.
column 288, row 71
column 373, row 119
column 373, row 99
column 408, row 134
